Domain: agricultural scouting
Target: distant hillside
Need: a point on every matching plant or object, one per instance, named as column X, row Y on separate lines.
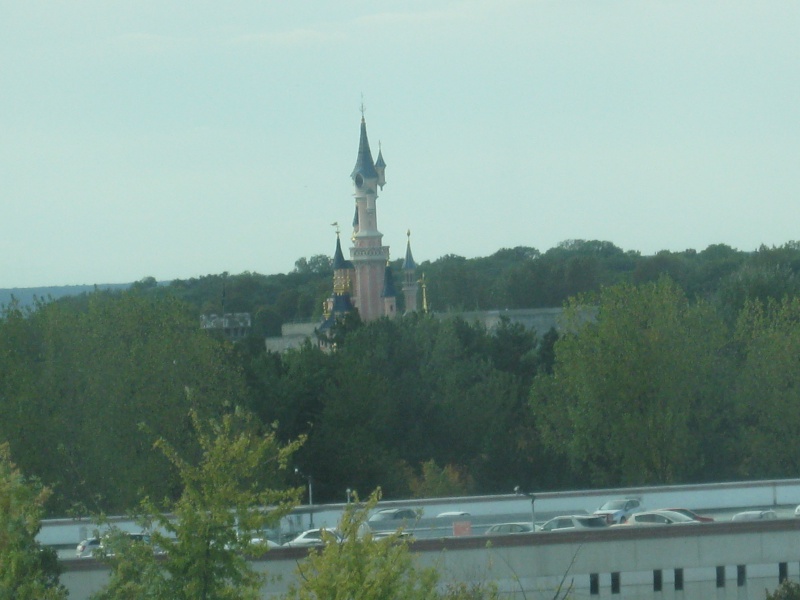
column 26, row 296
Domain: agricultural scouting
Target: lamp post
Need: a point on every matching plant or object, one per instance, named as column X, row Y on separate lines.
column 310, row 496
column 349, row 493
column 519, row 492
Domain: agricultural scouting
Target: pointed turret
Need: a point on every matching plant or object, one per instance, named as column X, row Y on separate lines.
column 380, row 167
column 408, row 262
column 338, row 256
column 365, row 167
column 410, row 284
column 340, row 302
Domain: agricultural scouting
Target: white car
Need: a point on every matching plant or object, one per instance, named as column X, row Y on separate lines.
column 90, row 547
column 573, row 522
column 87, row 548
column 657, row 517
column 452, row 514
column 313, row 537
column 755, row 515
column 618, row 511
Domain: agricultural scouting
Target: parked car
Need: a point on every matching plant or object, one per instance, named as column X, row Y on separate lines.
column 572, row 522
column 261, row 541
column 657, row 517
column 91, row 547
column 87, row 547
column 399, row 535
column 618, row 511
column 504, row 528
column 691, row 514
column 313, row 537
column 452, row 514
column 755, row 515
column 393, row 517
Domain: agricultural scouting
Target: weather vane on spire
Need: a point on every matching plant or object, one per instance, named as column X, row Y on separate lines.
column 336, row 224
column 363, row 108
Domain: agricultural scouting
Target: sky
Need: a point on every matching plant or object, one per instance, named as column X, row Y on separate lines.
column 174, row 139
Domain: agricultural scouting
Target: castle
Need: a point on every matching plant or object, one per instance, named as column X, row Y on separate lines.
column 365, row 282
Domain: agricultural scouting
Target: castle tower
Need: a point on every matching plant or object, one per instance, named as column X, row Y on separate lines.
column 389, row 294
column 340, row 302
column 410, row 283
column 368, row 254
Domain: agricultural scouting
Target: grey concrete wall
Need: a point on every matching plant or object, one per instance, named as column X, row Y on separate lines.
column 533, row 565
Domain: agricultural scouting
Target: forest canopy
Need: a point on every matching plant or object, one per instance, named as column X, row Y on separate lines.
column 684, row 375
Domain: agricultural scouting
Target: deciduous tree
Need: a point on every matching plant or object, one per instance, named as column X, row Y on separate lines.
column 27, row 570
column 221, row 510
column 638, row 395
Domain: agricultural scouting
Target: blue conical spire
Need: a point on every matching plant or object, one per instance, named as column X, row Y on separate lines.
column 365, row 166
column 338, row 256
column 408, row 263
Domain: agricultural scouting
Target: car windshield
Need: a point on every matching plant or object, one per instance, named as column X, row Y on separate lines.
column 614, row 505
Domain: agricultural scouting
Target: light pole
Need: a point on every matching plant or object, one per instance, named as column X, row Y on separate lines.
column 519, row 492
column 310, row 496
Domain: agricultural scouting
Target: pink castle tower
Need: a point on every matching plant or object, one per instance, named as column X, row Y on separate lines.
column 368, row 254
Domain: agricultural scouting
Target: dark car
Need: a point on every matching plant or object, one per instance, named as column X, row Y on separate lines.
column 504, row 528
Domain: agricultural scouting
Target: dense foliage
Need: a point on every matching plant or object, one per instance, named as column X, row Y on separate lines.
column 684, row 373
column 79, row 378
column 204, row 538
column 28, row 571
column 521, row 277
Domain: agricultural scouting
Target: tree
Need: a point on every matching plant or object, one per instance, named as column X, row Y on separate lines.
column 363, row 567
column 768, row 387
column 639, row 394
column 97, row 370
column 788, row 590
column 221, row 510
column 440, row 482
column 27, row 570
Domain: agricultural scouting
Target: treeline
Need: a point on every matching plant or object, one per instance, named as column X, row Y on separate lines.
column 511, row 278
column 677, row 379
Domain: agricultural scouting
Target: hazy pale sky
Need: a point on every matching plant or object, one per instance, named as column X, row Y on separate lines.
column 176, row 139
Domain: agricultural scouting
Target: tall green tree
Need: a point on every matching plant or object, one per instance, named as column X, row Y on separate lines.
column 638, row 394
column 229, row 496
column 79, row 378
column 768, row 387
column 27, row 570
